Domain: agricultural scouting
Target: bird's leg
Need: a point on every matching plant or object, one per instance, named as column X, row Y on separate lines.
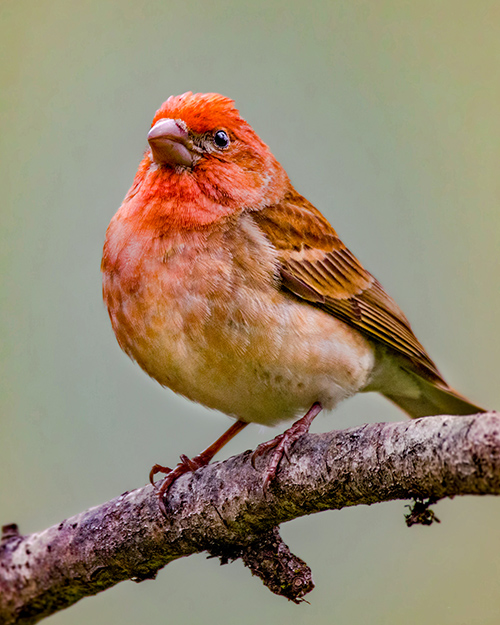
column 191, row 464
column 283, row 442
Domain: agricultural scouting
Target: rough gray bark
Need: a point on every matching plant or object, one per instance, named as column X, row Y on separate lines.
column 222, row 509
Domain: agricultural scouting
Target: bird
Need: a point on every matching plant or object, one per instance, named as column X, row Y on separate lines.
column 227, row 286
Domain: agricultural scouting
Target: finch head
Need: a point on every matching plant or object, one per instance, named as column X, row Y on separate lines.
column 201, row 149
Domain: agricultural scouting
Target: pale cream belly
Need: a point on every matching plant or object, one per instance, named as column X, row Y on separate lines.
column 260, row 357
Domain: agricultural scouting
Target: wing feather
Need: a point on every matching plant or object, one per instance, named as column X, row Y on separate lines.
column 317, row 267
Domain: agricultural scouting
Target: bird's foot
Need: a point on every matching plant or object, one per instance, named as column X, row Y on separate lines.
column 186, row 465
column 284, row 442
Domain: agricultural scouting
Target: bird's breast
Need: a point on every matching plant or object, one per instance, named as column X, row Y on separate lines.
column 203, row 314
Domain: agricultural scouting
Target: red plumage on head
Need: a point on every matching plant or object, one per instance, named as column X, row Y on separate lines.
column 244, row 176
column 202, row 112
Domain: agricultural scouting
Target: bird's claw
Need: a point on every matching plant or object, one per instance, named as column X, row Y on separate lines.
column 283, row 443
column 281, row 446
column 157, row 468
column 192, row 463
column 186, row 465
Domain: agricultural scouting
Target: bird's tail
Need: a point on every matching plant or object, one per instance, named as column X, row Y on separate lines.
column 433, row 400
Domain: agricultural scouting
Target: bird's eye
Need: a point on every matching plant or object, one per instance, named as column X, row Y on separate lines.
column 221, row 139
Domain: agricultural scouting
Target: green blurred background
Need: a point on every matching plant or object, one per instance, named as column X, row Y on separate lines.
column 386, row 116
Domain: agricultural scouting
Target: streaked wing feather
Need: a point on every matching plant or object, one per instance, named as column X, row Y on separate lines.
column 317, row 267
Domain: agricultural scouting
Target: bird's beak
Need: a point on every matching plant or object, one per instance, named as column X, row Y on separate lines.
column 170, row 144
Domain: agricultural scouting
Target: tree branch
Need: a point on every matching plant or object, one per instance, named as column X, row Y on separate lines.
column 222, row 509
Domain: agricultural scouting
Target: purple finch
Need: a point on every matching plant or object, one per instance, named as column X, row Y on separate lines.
column 226, row 285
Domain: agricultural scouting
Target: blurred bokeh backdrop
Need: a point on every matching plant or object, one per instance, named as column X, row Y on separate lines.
column 386, row 116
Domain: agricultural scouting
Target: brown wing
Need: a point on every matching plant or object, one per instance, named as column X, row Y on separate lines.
column 316, row 266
